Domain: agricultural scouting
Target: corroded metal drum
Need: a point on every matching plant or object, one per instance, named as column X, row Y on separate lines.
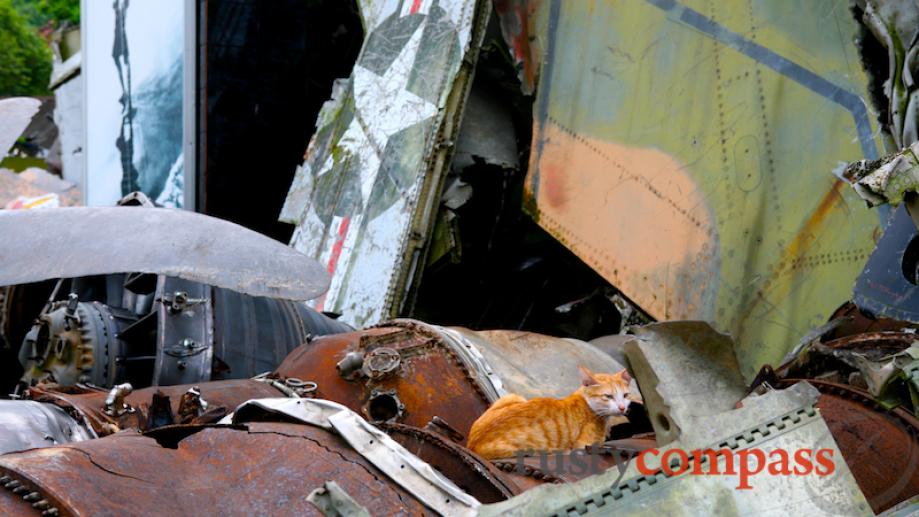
column 404, row 372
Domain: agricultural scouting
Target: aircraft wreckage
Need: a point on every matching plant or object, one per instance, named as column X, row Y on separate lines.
column 162, row 361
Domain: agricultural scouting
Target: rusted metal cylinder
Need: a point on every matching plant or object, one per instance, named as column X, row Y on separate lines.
column 880, row 447
column 398, row 374
column 88, row 405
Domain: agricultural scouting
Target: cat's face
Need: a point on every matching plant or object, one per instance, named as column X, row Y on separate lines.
column 605, row 393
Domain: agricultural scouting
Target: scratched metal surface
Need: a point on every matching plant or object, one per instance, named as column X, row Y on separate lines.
column 685, row 150
column 356, row 199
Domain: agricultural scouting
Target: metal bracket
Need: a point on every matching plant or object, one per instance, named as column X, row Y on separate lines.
column 115, row 405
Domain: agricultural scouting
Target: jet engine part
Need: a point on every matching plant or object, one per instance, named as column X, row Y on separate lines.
column 148, row 330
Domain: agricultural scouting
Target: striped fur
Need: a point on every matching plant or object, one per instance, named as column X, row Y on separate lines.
column 515, row 424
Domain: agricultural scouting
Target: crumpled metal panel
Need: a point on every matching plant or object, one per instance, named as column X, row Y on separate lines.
column 667, row 154
column 83, row 241
column 365, row 198
column 252, row 469
column 896, row 26
column 887, row 180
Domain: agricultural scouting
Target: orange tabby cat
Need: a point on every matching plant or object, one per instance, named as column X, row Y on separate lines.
column 514, row 424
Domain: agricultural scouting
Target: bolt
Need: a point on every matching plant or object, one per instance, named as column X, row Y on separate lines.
column 180, row 297
column 41, row 505
column 188, row 343
column 181, row 365
column 33, row 496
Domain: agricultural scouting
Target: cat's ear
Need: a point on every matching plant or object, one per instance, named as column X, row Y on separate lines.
column 587, row 377
column 625, row 376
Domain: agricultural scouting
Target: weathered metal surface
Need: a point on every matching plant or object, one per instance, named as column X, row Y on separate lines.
column 880, row 447
column 196, row 247
column 28, row 425
column 333, row 501
column 72, row 342
column 270, row 468
column 895, row 25
column 857, row 321
column 686, row 494
column 882, row 343
column 147, row 411
column 253, row 334
column 185, row 332
column 667, row 155
column 908, row 508
column 687, row 371
column 516, row 27
column 474, row 475
column 534, row 365
column 364, row 200
column 887, row 180
column 887, row 286
column 430, row 378
column 384, row 453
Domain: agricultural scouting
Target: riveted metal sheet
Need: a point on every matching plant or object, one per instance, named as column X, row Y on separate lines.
column 667, row 154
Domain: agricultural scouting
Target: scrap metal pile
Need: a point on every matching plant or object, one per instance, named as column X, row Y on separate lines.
column 679, row 158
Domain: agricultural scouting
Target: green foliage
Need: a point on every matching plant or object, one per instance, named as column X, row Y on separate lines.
column 63, row 10
column 40, row 12
column 25, row 59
